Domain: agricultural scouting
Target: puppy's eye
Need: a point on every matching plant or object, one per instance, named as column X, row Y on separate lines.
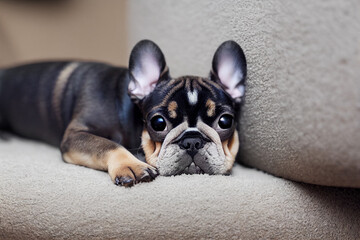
column 158, row 123
column 225, row 121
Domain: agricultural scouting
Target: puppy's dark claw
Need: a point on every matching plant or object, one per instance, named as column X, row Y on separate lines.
column 153, row 173
column 146, row 178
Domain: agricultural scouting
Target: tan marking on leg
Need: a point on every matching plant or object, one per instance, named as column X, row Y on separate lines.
column 86, row 160
column 172, row 107
column 210, row 107
column 231, row 148
column 119, row 163
column 60, row 87
column 151, row 148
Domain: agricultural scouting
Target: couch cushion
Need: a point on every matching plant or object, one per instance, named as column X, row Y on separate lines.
column 42, row 197
column 302, row 105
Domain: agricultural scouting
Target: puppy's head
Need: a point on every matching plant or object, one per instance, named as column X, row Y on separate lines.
column 190, row 121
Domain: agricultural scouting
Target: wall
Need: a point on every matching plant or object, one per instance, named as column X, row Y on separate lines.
column 63, row 29
column 302, row 108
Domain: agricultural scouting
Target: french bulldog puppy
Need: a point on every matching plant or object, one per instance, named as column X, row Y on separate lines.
column 100, row 115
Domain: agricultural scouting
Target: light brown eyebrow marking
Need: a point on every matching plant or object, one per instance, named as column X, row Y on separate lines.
column 169, row 94
column 172, row 109
column 210, row 107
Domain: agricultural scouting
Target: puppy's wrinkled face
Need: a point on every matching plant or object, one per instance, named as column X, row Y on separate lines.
column 190, row 122
column 191, row 128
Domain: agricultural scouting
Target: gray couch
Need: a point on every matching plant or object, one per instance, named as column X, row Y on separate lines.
column 300, row 136
column 41, row 197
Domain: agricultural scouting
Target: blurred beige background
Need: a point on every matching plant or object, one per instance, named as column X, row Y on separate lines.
column 63, row 29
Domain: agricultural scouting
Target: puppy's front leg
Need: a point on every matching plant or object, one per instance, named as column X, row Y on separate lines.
column 81, row 147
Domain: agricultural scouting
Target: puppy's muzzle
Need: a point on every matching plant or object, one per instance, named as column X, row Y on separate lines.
column 192, row 142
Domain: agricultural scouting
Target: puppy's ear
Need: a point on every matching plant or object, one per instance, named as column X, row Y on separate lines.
column 229, row 68
column 147, row 67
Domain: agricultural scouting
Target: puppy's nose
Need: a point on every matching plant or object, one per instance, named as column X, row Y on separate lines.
column 192, row 142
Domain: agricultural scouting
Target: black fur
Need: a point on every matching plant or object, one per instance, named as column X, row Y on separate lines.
column 96, row 92
column 94, row 114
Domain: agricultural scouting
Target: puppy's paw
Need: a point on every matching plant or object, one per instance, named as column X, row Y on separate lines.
column 129, row 174
column 126, row 170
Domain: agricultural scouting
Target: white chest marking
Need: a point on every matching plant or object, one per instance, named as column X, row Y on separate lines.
column 193, row 97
